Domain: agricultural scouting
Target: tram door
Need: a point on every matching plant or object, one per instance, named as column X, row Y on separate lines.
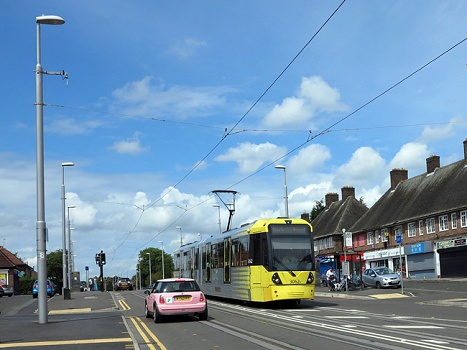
column 194, row 260
column 227, row 259
column 207, row 256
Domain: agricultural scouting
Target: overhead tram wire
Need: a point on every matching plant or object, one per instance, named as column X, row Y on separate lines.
column 162, row 120
column 230, row 132
column 285, row 69
column 328, row 129
column 227, row 133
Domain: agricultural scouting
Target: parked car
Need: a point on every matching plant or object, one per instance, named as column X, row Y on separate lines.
column 123, row 284
column 6, row 290
column 381, row 277
column 175, row 296
column 50, row 289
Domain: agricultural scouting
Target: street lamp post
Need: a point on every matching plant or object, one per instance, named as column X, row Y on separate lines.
column 180, row 228
column 64, row 269
column 69, row 246
column 73, row 254
column 41, row 227
column 163, row 272
column 286, row 199
column 139, row 273
column 150, row 270
column 219, row 212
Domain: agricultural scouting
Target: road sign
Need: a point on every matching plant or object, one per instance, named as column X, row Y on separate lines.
column 399, row 239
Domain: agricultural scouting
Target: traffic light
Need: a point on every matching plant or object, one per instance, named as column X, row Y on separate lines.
column 98, row 259
column 102, row 258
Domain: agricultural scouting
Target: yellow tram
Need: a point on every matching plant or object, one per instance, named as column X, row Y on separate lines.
column 267, row 260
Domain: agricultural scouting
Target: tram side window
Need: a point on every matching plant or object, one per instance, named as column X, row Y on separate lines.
column 220, row 250
column 177, row 262
column 208, row 256
column 214, row 256
column 204, row 259
column 240, row 251
column 186, row 261
column 196, row 259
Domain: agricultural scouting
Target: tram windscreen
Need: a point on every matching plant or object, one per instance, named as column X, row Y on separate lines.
column 291, row 247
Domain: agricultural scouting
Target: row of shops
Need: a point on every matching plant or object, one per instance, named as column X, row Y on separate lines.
column 423, row 260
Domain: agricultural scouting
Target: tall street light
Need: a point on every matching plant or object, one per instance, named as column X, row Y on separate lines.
column 64, row 269
column 286, row 199
column 219, row 211
column 150, row 270
column 163, row 272
column 180, row 228
column 69, row 246
column 41, row 226
column 139, row 272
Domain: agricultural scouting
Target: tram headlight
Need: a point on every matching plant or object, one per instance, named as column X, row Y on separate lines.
column 310, row 278
column 276, row 279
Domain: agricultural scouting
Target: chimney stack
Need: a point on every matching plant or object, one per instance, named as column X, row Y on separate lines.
column 347, row 191
column 398, row 175
column 432, row 163
column 305, row 216
column 465, row 151
column 331, row 198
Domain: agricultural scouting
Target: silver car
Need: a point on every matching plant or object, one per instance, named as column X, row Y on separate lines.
column 381, row 277
column 6, row 290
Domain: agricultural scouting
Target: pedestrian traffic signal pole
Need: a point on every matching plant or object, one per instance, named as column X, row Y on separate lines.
column 100, row 260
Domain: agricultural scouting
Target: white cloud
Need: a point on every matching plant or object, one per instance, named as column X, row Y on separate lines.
column 84, row 215
column 314, row 96
column 250, row 156
column 309, row 159
column 129, row 146
column 365, row 166
column 411, row 155
column 69, row 126
column 143, row 97
column 439, row 131
column 186, row 48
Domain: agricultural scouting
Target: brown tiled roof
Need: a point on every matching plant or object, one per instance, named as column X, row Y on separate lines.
column 422, row 196
column 8, row 259
column 340, row 215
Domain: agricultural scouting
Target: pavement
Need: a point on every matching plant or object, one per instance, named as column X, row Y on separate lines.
column 87, row 318
column 82, row 302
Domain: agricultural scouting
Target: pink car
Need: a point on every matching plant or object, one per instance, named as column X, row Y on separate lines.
column 175, row 296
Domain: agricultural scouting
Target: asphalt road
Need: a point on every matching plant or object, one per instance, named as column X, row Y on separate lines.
column 430, row 314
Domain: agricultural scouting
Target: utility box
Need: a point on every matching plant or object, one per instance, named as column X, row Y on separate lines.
column 66, row 293
column 75, row 281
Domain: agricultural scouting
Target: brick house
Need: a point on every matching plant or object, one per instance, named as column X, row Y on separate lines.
column 328, row 227
column 419, row 225
column 11, row 268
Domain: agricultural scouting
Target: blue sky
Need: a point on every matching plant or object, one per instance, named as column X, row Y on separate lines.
column 168, row 101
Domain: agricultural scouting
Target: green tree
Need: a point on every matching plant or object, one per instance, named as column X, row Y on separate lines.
column 156, row 265
column 55, row 268
column 317, row 209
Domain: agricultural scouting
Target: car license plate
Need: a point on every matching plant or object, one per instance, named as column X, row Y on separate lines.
column 182, row 298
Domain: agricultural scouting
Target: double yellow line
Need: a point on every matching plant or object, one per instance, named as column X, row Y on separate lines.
column 148, row 336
